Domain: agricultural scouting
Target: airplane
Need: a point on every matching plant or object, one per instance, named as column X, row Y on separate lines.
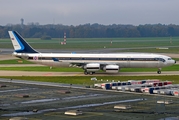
column 91, row 63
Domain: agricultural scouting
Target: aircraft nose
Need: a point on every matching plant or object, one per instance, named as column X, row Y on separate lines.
column 172, row 62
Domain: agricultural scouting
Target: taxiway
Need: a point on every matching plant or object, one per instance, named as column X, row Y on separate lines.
column 35, row 73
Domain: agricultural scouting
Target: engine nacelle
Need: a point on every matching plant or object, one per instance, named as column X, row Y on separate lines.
column 111, row 68
column 92, row 67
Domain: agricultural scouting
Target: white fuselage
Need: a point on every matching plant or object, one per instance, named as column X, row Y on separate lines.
column 123, row 60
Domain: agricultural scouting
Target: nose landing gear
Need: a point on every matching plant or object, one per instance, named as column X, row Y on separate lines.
column 159, row 71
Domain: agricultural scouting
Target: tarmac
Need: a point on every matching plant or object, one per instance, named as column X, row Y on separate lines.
column 46, row 101
column 35, row 73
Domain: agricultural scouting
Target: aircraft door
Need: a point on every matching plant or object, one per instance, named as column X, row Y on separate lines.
column 40, row 58
column 158, row 62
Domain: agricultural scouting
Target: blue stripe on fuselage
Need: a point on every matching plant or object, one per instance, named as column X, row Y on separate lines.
column 55, row 59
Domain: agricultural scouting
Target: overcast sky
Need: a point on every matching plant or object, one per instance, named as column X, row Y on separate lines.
column 75, row 12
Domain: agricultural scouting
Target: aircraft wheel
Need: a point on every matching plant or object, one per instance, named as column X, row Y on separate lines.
column 159, row 72
column 90, row 73
column 85, row 72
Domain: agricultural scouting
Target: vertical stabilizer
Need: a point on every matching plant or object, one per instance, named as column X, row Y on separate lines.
column 19, row 43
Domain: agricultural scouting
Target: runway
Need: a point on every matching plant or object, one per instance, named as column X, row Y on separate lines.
column 34, row 73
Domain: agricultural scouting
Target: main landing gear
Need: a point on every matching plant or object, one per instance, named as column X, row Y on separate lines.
column 86, row 73
column 159, row 71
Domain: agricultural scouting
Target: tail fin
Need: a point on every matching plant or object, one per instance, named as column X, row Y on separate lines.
column 19, row 43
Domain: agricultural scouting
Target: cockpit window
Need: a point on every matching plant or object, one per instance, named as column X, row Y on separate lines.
column 169, row 58
column 160, row 59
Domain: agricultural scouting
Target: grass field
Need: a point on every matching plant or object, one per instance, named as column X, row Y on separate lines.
column 100, row 43
column 153, row 50
column 86, row 80
column 15, row 61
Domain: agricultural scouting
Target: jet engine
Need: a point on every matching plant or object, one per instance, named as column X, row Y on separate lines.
column 111, row 68
column 92, row 67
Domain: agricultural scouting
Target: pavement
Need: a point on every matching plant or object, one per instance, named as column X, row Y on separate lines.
column 35, row 73
column 7, row 57
column 20, row 65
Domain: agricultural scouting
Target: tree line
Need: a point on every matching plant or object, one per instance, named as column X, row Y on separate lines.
column 91, row 30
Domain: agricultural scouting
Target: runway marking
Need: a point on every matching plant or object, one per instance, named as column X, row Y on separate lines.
column 74, row 107
column 84, row 115
column 17, row 90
